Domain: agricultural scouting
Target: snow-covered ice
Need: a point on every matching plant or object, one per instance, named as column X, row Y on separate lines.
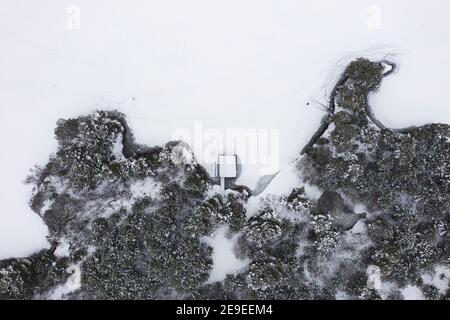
column 229, row 64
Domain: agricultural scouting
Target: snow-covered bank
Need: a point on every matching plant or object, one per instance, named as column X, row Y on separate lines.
column 229, row 64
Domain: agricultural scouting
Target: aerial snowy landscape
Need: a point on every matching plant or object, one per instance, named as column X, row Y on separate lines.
column 225, row 149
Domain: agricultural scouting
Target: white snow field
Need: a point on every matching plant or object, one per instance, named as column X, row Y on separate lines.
column 175, row 66
column 225, row 261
